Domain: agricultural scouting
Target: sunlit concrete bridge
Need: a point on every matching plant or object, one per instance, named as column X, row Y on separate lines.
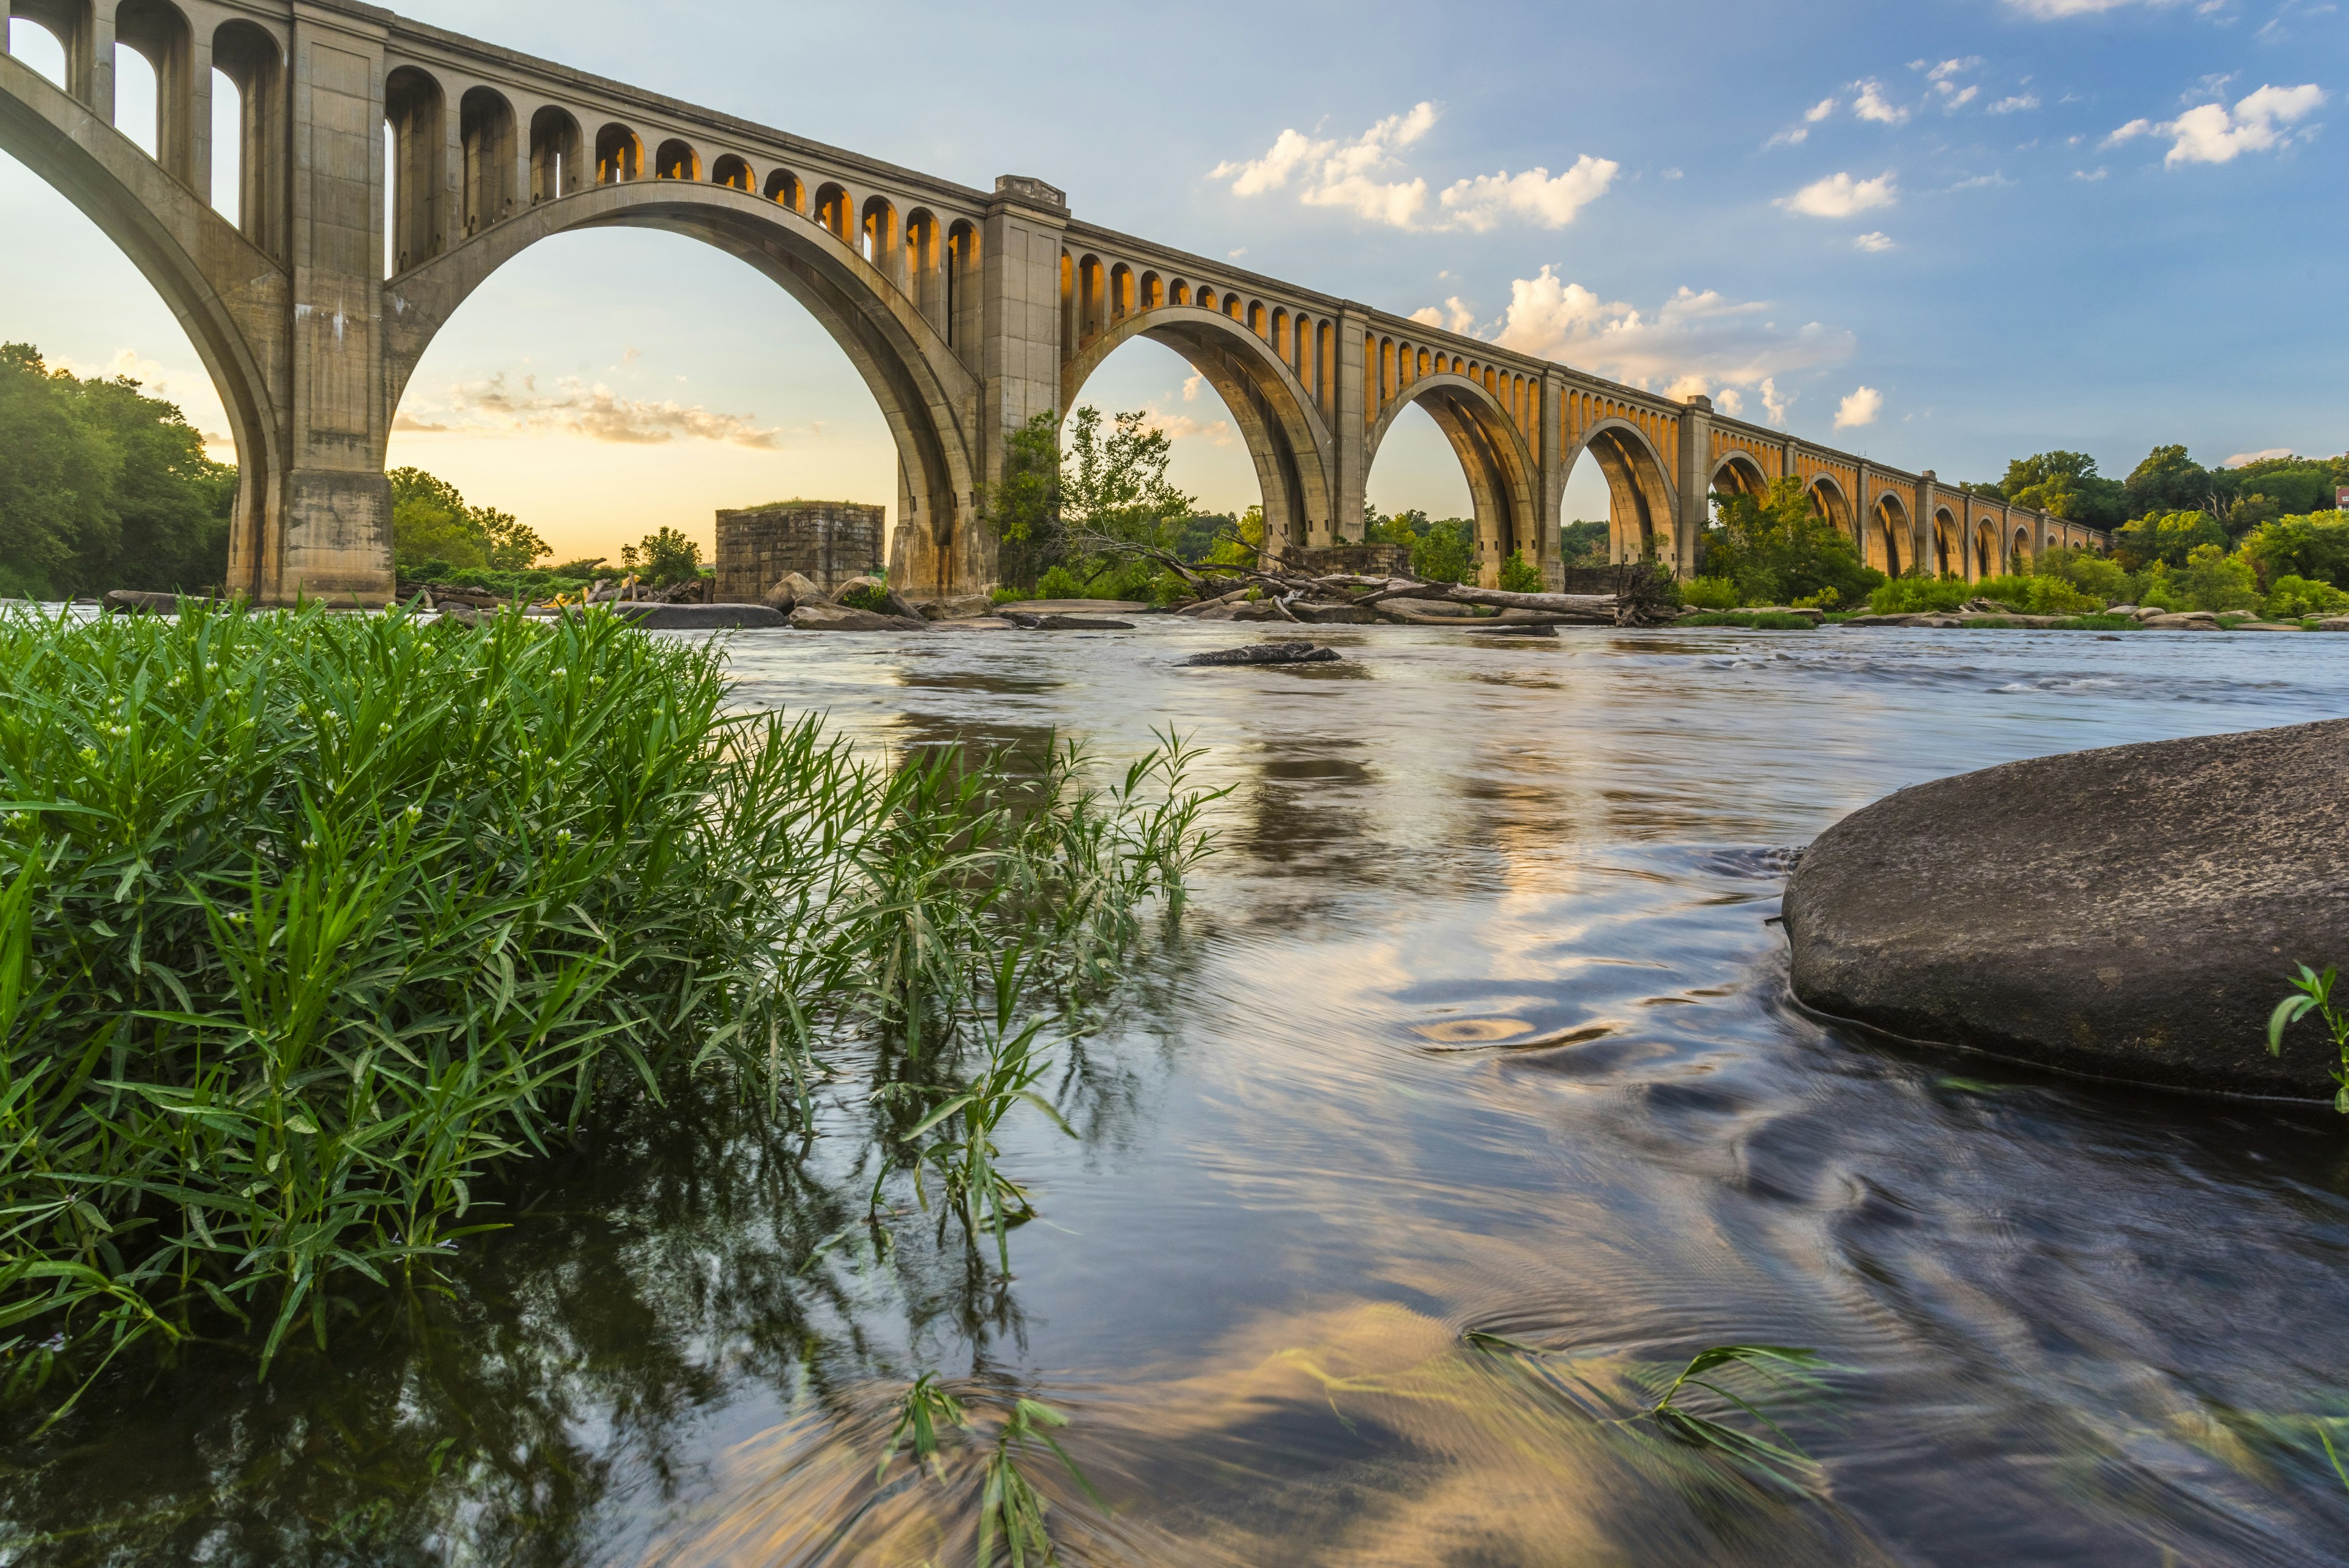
column 965, row 311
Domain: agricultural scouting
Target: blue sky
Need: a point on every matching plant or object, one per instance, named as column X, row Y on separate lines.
column 1944, row 233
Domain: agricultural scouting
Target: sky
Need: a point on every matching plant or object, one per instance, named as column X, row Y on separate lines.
column 1942, row 234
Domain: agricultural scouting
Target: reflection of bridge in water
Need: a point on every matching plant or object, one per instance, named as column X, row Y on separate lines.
column 965, row 311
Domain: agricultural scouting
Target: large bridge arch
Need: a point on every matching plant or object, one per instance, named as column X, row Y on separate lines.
column 1504, row 479
column 928, row 398
column 1738, row 475
column 226, row 292
column 1289, row 442
column 1642, row 508
column 1891, row 542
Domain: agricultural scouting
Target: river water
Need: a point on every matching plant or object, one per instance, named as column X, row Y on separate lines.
column 1478, row 1022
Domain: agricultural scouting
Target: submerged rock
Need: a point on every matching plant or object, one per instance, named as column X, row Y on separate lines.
column 840, row 618
column 1267, row 653
column 2131, row 913
column 1019, row 617
column 699, row 618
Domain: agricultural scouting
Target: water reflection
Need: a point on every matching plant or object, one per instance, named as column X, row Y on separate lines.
column 1477, row 1024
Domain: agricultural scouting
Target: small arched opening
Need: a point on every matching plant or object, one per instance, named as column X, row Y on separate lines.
column 879, row 239
column 734, row 172
column 619, row 155
column 159, row 42
column 784, row 189
column 414, row 110
column 832, row 211
column 486, row 128
column 247, row 66
column 676, row 159
column 963, row 298
column 554, row 167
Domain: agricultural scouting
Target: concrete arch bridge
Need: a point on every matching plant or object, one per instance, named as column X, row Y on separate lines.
column 390, row 168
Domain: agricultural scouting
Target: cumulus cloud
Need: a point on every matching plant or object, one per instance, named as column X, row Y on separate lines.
column 2021, row 103
column 2241, row 458
column 1774, row 407
column 1366, row 177
column 1841, row 196
column 1871, row 104
column 2213, row 134
column 1455, row 316
column 576, row 408
column 1693, row 343
column 1538, row 197
column 1795, row 135
column 1877, row 241
column 1861, row 408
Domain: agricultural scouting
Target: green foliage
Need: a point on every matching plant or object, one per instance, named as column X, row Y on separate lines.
column 2067, row 484
column 2214, row 580
column 1024, row 508
column 1584, row 543
column 2295, row 598
column 925, row 1409
column 867, row 597
column 309, row 924
column 1776, row 547
column 2314, row 994
column 431, row 522
column 1446, row 554
column 1060, row 583
column 1714, row 1371
column 1118, row 491
column 1710, row 593
column 103, row 487
column 2168, row 481
column 1519, row 575
column 2166, row 537
column 1010, row 1509
column 2038, row 594
column 1918, row 595
column 2096, row 577
column 2315, row 547
column 665, row 556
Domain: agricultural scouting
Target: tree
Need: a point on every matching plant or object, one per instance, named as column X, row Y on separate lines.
column 2064, row 485
column 665, row 556
column 2166, row 537
column 1118, row 492
column 1777, row 548
column 433, row 530
column 2169, row 481
column 2214, row 580
column 2316, row 548
column 1024, row 508
column 102, row 486
column 1446, row 554
column 1584, row 543
column 1519, row 575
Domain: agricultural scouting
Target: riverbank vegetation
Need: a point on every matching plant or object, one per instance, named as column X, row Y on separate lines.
column 313, row 928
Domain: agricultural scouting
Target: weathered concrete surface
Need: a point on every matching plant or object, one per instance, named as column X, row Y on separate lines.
column 700, row 617
column 828, row 542
column 2129, row 913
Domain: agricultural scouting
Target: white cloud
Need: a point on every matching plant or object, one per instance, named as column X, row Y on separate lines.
column 1982, row 181
column 2055, row 10
column 1694, row 343
column 1731, row 402
column 1455, row 316
column 2021, row 103
column 576, row 408
column 1191, row 388
column 1366, row 177
column 2088, row 176
column 1871, row 104
column 1818, row 111
column 1861, row 408
column 1948, row 68
column 1840, row 196
column 1481, row 203
column 2212, row 133
column 1772, row 406
column 2241, row 458
column 1877, row 240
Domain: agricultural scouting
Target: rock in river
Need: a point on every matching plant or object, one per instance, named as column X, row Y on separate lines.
column 2131, row 913
column 840, row 618
column 1267, row 653
column 699, row 618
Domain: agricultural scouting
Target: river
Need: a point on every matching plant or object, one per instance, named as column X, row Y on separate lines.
column 1478, row 1022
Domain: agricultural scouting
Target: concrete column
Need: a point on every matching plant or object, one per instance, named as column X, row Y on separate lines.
column 1549, row 451
column 1693, row 483
column 198, row 175
column 1351, row 425
column 1020, row 348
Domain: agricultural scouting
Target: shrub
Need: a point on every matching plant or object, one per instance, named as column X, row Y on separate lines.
column 2038, row 594
column 1060, row 583
column 1750, row 620
column 1519, row 575
column 866, row 596
column 1710, row 593
column 309, row 923
column 1920, row 595
column 2296, row 597
column 2213, row 580
column 2102, row 579
column 1444, row 555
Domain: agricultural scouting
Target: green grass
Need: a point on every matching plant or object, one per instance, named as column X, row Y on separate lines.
column 1747, row 620
column 310, row 925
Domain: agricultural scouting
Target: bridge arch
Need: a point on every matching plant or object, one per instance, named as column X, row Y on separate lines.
column 2019, row 555
column 1639, row 510
column 1504, row 479
column 1946, row 544
column 1985, row 551
column 1738, row 475
column 1890, row 546
column 1828, row 500
column 1289, row 445
column 929, row 400
column 226, row 291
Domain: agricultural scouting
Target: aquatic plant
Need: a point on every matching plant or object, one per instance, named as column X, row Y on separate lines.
column 2315, row 995
column 310, row 923
column 1010, row 1509
column 923, row 1412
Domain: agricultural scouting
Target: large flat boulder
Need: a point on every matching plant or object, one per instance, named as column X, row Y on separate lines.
column 700, row 617
column 841, row 617
column 2131, row 913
